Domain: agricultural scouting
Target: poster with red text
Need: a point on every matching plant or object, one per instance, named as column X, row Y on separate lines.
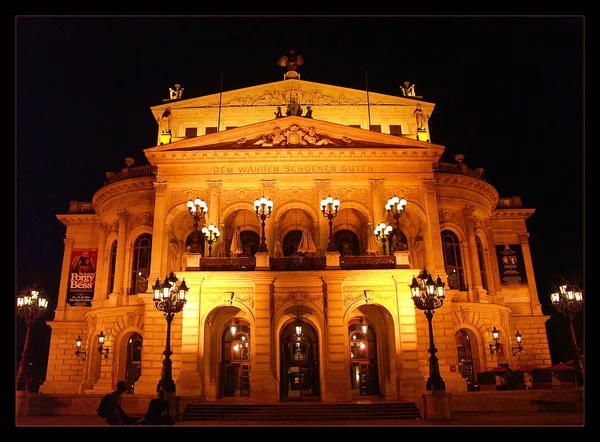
column 82, row 277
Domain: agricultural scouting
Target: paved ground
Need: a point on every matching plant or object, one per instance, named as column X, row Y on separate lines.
column 464, row 419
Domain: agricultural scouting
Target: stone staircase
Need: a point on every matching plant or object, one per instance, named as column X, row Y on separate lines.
column 300, row 411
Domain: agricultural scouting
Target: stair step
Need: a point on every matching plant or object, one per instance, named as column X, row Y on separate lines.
column 299, row 411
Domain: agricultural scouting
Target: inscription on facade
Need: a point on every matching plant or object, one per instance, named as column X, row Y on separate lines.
column 299, row 168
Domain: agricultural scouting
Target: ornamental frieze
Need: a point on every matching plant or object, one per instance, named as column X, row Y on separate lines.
column 446, row 216
column 296, row 193
column 236, row 195
column 353, row 194
column 144, row 219
column 227, row 296
column 274, row 97
column 298, row 298
column 370, row 295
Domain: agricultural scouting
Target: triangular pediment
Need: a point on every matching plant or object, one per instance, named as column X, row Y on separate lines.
column 279, row 94
column 294, row 132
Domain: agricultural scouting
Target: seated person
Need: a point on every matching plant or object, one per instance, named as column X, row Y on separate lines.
column 159, row 411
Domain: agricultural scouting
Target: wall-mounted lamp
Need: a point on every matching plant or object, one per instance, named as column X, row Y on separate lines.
column 496, row 345
column 101, row 348
column 519, row 347
column 80, row 354
column 233, row 327
column 364, row 326
column 298, row 323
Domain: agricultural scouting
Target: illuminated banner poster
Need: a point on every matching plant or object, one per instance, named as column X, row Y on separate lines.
column 82, row 277
column 510, row 261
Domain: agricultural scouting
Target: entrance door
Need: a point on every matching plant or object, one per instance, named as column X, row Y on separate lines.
column 133, row 369
column 299, row 370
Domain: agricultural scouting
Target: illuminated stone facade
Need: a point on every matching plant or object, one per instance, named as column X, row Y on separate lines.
column 295, row 160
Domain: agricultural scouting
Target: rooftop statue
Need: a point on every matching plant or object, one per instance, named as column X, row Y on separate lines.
column 175, row 93
column 292, row 62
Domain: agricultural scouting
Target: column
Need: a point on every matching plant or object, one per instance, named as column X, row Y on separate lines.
column 536, row 307
column 493, row 270
column 119, row 289
column 214, row 206
column 434, row 260
column 475, row 271
column 157, row 269
column 269, row 190
column 323, row 191
column 377, row 202
column 336, row 385
column 59, row 314
column 100, row 283
column 405, row 351
column 263, row 383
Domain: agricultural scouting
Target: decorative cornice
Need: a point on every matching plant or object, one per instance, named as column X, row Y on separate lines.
column 78, row 219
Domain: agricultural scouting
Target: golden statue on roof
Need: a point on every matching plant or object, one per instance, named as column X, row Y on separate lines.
column 292, row 62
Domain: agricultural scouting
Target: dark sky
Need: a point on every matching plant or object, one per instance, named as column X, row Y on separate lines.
column 508, row 93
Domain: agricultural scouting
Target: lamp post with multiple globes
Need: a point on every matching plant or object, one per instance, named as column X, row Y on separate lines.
column 211, row 233
column 330, row 208
column 263, row 208
column 169, row 298
column 395, row 208
column 567, row 299
column 382, row 232
column 428, row 296
column 197, row 210
column 31, row 304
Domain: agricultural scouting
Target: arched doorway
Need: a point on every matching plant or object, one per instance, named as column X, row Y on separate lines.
column 347, row 242
column 250, row 242
column 364, row 373
column 291, row 241
column 465, row 358
column 133, row 369
column 195, row 241
column 299, row 367
column 234, row 379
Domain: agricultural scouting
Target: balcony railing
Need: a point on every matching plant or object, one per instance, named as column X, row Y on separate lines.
column 228, row 264
column 243, row 263
column 367, row 262
column 297, row 263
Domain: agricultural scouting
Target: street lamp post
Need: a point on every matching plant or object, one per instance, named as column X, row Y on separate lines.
column 382, row 232
column 567, row 300
column 329, row 208
column 169, row 298
column 428, row 296
column 212, row 234
column 197, row 209
column 396, row 207
column 31, row 304
column 263, row 208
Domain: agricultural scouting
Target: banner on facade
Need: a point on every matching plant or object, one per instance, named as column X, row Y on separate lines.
column 510, row 261
column 82, row 277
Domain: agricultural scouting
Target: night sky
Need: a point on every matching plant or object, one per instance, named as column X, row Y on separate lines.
column 508, row 94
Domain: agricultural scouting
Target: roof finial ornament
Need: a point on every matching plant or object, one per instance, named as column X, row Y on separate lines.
column 292, row 62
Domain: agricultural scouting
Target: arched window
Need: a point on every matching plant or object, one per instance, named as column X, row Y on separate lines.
column 140, row 269
column 347, row 242
column 481, row 262
column 250, row 242
column 291, row 241
column 465, row 358
column 453, row 260
column 111, row 266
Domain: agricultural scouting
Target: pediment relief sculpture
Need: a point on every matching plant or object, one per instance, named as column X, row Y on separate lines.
column 293, row 136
